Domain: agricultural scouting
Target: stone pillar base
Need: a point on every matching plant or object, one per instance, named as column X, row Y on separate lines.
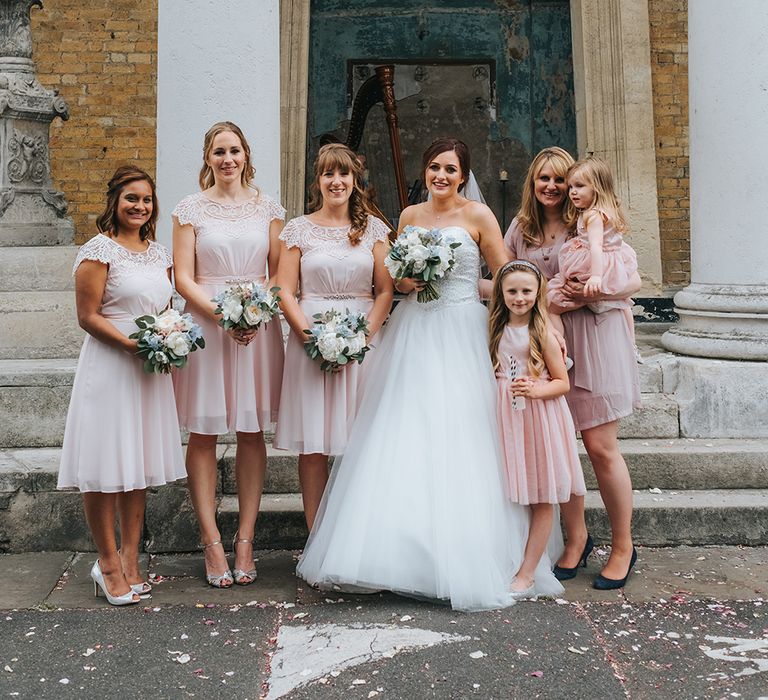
column 721, row 321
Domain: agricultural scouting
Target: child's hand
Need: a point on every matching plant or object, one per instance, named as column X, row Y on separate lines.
column 524, row 386
column 592, row 286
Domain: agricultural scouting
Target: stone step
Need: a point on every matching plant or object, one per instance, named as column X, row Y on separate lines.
column 653, row 464
column 38, row 324
column 53, row 521
column 41, row 268
column 34, row 397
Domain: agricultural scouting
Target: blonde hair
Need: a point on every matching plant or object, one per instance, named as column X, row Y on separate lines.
column 538, row 325
column 529, row 216
column 337, row 156
column 206, row 178
column 597, row 174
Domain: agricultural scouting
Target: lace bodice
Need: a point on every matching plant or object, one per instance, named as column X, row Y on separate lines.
column 459, row 286
column 231, row 240
column 330, row 264
column 137, row 283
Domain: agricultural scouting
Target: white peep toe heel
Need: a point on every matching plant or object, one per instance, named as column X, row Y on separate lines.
column 99, row 583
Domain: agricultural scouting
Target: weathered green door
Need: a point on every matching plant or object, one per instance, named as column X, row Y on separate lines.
column 497, row 74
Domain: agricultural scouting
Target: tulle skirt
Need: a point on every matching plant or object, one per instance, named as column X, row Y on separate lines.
column 416, row 505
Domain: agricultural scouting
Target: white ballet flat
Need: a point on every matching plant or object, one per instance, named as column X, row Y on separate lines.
column 99, row 583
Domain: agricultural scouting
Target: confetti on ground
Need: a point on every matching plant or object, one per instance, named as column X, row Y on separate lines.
column 477, row 655
column 537, row 674
column 406, row 618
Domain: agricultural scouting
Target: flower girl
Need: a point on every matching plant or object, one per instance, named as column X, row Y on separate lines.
column 538, row 440
column 597, row 255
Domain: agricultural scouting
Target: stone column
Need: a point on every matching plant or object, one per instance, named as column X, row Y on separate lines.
column 724, row 311
column 37, row 317
column 31, row 212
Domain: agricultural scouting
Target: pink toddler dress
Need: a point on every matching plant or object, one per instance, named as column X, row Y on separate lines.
column 317, row 408
column 122, row 432
column 619, row 264
column 230, row 387
column 604, row 379
column 538, row 442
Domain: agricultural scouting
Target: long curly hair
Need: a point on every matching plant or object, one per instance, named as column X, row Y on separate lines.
column 123, row 176
column 597, row 174
column 206, row 178
column 530, row 216
column 538, row 326
column 337, row 156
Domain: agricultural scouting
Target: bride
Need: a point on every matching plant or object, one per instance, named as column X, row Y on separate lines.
column 416, row 504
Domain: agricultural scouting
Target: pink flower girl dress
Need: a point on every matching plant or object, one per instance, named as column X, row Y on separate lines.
column 122, row 432
column 538, row 439
column 230, row 387
column 619, row 264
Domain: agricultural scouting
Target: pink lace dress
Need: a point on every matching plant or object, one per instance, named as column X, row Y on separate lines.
column 538, row 442
column 604, row 380
column 122, row 432
column 230, row 387
column 619, row 264
column 317, row 408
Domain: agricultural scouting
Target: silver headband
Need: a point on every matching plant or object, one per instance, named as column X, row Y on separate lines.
column 520, row 263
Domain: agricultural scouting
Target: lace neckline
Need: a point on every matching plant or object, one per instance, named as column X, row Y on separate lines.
column 346, row 227
column 255, row 199
column 128, row 250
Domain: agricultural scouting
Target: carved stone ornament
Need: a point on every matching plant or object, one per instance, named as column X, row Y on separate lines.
column 28, row 158
column 15, row 32
column 7, row 195
column 57, row 200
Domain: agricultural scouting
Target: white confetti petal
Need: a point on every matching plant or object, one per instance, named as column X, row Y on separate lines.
column 64, row 681
column 183, row 659
column 359, row 681
column 7, row 668
column 574, row 650
column 477, row 655
column 405, row 618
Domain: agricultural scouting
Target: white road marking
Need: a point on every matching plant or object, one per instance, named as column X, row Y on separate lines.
column 307, row 653
column 735, row 649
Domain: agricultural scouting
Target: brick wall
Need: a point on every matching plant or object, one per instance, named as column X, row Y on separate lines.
column 669, row 70
column 102, row 57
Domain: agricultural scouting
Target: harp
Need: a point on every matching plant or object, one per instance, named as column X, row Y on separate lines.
column 379, row 89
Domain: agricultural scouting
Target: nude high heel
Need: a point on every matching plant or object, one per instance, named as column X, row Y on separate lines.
column 243, row 578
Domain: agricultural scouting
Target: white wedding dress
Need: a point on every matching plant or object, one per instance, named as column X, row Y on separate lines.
column 416, row 504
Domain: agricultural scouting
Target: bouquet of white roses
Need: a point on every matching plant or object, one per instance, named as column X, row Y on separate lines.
column 337, row 338
column 166, row 339
column 246, row 305
column 422, row 254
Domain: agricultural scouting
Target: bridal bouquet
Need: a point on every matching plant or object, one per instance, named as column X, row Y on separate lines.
column 246, row 305
column 337, row 338
column 166, row 339
column 422, row 254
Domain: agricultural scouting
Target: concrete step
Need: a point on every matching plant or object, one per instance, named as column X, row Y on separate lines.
column 38, row 324
column 41, row 268
column 658, row 417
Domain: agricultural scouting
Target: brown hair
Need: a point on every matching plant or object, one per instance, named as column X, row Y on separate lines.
column 206, row 178
column 598, row 175
column 529, row 216
column 538, row 326
column 337, row 156
column 123, row 176
column 443, row 144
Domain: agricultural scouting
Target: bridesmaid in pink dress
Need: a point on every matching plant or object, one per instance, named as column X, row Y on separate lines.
column 604, row 380
column 227, row 233
column 335, row 258
column 122, row 434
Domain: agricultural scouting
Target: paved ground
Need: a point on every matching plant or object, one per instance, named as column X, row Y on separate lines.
column 692, row 623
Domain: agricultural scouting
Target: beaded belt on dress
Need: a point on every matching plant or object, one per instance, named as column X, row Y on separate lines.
column 228, row 279
column 336, row 297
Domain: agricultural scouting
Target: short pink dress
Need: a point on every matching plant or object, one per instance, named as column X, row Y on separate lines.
column 122, row 432
column 317, row 408
column 230, row 387
column 604, row 382
column 538, row 442
column 619, row 264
